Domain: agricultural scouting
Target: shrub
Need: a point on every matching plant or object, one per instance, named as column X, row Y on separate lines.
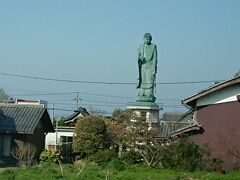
column 66, row 152
column 215, row 165
column 185, row 155
column 24, row 153
column 131, row 157
column 102, row 156
column 116, row 164
column 90, row 136
column 48, row 156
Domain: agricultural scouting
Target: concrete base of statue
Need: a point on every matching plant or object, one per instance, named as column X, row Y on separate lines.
column 149, row 110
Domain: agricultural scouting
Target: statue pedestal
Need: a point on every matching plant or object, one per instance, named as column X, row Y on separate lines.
column 148, row 110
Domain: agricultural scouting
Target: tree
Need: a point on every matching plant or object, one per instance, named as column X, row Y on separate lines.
column 132, row 131
column 117, row 135
column 120, row 115
column 143, row 139
column 90, row 136
column 117, row 129
column 127, row 129
column 229, row 142
column 3, row 96
column 24, row 153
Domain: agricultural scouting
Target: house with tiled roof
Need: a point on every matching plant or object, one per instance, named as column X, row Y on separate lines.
column 185, row 124
column 64, row 134
column 216, row 113
column 20, row 124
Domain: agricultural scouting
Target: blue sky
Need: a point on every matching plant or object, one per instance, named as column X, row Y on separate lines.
column 97, row 41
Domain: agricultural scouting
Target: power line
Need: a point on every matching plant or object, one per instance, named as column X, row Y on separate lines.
column 65, row 93
column 103, row 105
column 107, row 102
column 67, row 104
column 59, row 109
column 104, row 82
column 91, row 94
column 63, row 80
column 44, row 94
column 111, row 104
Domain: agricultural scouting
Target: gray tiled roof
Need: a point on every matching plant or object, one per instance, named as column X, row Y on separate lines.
column 73, row 116
column 168, row 128
column 23, row 119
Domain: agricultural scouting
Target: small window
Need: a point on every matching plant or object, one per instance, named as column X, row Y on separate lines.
column 66, row 139
column 69, row 139
column 63, row 139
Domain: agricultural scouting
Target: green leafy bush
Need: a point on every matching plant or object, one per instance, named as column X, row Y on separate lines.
column 66, row 152
column 102, row 156
column 116, row 164
column 131, row 157
column 185, row 155
column 90, row 135
column 49, row 156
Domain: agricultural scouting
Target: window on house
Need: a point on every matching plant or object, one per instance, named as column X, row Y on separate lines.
column 5, row 144
column 66, row 140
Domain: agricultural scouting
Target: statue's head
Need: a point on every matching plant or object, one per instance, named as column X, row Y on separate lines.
column 147, row 38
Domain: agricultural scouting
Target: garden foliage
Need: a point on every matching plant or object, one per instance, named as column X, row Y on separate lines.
column 48, row 156
column 90, row 136
column 182, row 154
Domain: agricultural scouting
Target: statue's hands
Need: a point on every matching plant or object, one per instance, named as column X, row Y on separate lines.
column 153, row 73
column 143, row 59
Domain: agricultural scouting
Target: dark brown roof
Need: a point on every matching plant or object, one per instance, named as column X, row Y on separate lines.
column 72, row 117
column 192, row 99
column 23, row 119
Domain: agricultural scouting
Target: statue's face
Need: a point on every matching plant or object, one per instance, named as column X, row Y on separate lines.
column 147, row 40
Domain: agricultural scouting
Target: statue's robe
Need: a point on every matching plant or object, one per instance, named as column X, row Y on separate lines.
column 148, row 65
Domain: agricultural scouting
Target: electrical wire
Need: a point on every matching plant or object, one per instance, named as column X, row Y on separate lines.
column 104, row 82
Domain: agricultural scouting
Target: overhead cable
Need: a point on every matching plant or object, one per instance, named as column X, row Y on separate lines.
column 104, row 82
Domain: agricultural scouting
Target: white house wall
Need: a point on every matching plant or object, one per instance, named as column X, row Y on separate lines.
column 228, row 94
column 51, row 137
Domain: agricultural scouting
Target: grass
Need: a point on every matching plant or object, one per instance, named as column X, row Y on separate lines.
column 115, row 172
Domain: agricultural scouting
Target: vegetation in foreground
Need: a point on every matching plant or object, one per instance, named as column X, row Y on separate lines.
column 115, row 169
column 120, row 148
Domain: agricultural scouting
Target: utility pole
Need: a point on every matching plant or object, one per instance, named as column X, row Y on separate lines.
column 52, row 113
column 77, row 100
column 56, row 129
